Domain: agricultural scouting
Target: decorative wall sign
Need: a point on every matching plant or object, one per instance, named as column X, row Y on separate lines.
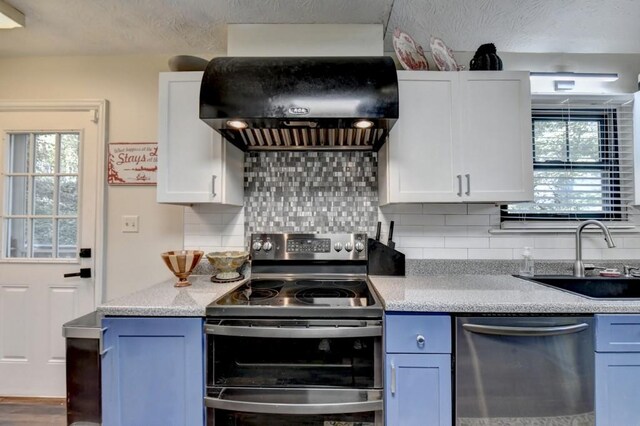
column 132, row 163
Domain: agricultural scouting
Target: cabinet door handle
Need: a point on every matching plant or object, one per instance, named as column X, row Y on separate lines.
column 468, row 176
column 393, row 379
column 213, row 186
column 459, row 185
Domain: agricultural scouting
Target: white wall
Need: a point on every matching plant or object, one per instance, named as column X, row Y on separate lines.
column 130, row 84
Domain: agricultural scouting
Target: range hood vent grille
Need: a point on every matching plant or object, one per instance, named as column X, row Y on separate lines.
column 306, row 139
column 301, row 103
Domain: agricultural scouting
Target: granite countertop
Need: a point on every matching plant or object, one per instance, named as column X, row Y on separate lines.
column 425, row 293
column 486, row 293
column 164, row 299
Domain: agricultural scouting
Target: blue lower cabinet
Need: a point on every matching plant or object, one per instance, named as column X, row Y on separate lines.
column 153, row 372
column 617, row 389
column 617, row 370
column 418, row 369
column 418, row 390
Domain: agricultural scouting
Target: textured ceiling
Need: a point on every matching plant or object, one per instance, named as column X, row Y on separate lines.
column 87, row 27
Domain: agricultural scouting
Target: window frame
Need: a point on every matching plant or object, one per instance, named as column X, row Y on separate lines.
column 608, row 151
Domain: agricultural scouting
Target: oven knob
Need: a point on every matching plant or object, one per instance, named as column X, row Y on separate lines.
column 337, row 246
column 359, row 246
column 257, row 246
column 348, row 246
column 267, row 246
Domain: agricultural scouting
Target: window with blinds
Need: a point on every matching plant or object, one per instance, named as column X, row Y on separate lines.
column 582, row 160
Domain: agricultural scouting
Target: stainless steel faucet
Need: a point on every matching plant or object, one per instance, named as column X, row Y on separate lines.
column 578, row 265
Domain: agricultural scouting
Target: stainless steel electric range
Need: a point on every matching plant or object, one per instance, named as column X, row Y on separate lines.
column 301, row 342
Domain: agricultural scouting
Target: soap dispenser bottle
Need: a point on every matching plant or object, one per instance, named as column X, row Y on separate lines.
column 526, row 264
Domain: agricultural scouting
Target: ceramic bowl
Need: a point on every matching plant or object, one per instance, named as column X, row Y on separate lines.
column 181, row 263
column 227, row 261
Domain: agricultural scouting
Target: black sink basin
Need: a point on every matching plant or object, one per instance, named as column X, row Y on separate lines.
column 593, row 287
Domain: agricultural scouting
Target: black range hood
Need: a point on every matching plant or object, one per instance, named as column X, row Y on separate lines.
column 301, row 103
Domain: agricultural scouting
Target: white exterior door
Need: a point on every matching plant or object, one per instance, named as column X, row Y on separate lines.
column 52, row 189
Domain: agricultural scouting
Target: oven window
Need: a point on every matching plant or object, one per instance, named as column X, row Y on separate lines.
column 281, row 362
column 231, row 418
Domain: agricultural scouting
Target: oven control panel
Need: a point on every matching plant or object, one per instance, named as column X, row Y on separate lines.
column 309, row 246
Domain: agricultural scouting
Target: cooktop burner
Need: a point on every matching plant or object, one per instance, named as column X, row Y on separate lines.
column 304, row 292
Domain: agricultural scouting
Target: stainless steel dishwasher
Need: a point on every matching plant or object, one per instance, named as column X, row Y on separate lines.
column 524, row 370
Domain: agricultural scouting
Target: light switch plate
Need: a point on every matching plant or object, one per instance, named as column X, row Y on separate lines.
column 130, row 223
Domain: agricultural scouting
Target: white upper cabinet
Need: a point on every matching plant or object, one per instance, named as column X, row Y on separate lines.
column 195, row 165
column 461, row 137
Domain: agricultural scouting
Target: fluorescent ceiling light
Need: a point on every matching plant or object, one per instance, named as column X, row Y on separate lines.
column 557, row 76
column 10, row 17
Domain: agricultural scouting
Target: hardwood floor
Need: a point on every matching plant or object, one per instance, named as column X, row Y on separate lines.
column 32, row 411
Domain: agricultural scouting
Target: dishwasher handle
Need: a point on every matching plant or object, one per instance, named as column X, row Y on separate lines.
column 500, row 330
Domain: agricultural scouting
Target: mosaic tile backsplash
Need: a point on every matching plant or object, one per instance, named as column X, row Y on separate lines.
column 325, row 192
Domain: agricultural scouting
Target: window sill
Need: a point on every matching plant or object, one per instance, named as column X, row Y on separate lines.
column 560, row 228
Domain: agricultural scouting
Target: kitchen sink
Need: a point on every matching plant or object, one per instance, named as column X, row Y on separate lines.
column 592, row 287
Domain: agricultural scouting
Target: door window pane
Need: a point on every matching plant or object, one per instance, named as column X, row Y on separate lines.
column 19, row 153
column 45, row 153
column 18, row 195
column 67, row 238
column 17, row 243
column 68, row 195
column 69, row 152
column 42, row 238
column 43, row 195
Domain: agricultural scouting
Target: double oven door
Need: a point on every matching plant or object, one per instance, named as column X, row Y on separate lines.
column 310, row 372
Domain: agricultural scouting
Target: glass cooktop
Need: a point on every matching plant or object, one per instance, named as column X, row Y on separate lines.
column 300, row 293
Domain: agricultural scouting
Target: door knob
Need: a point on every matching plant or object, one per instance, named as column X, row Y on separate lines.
column 84, row 273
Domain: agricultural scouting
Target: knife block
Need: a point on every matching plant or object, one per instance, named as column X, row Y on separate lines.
column 384, row 260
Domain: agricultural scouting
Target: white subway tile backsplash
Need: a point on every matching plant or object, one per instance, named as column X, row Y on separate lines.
column 550, row 241
column 621, row 253
column 511, row 242
column 413, row 253
column 422, row 219
column 443, row 231
column 403, row 231
column 233, row 241
column 460, row 220
column 421, row 242
column 407, row 208
column 553, row 254
column 490, row 253
column 628, row 242
column 445, row 253
column 475, row 231
column 466, row 242
column 444, row 208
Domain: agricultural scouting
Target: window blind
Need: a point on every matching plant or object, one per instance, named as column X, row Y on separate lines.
column 583, row 159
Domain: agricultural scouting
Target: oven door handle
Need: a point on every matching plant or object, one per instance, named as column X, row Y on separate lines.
column 275, row 407
column 294, row 332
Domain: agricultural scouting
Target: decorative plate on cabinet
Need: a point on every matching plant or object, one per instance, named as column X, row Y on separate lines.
column 443, row 56
column 410, row 54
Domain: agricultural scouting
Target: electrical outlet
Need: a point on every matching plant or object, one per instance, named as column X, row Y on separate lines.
column 130, row 223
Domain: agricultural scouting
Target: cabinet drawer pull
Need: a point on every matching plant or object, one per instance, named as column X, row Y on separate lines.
column 420, row 340
column 213, row 186
column 459, row 185
column 468, row 176
column 393, row 379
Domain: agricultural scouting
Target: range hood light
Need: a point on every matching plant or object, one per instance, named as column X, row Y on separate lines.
column 237, row 124
column 363, row 124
